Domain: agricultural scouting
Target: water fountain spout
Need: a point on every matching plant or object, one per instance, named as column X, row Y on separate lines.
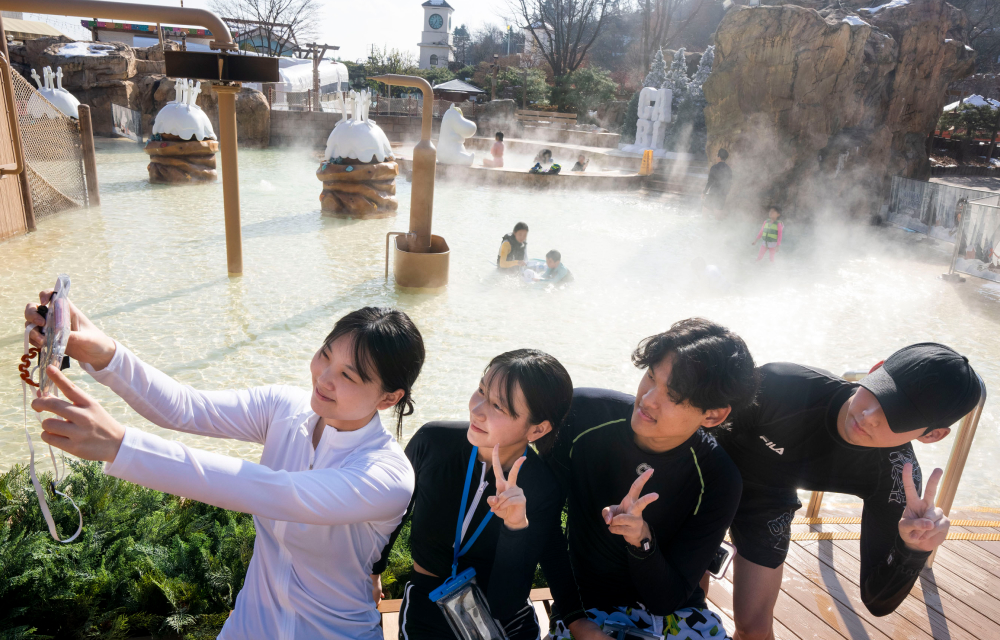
column 421, row 258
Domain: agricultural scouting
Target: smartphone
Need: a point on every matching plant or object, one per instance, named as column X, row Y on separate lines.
column 720, row 563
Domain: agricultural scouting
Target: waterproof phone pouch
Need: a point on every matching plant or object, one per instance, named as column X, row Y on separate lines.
column 465, row 608
column 57, row 328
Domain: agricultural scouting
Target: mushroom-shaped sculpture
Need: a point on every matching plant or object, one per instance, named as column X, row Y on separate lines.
column 183, row 145
column 455, row 128
column 359, row 170
column 52, row 90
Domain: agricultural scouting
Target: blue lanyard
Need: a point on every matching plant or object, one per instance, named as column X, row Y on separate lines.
column 460, row 550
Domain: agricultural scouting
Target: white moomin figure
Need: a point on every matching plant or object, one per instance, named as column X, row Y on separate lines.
column 182, row 117
column 455, row 128
column 654, row 117
column 54, row 93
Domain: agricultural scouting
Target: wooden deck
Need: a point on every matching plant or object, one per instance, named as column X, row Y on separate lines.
column 956, row 599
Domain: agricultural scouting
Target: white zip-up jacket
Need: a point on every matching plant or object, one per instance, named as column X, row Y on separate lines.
column 322, row 515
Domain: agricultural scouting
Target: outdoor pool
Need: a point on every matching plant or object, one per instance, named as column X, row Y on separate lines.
column 149, row 266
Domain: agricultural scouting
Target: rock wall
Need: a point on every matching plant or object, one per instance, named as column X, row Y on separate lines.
column 134, row 78
column 824, row 104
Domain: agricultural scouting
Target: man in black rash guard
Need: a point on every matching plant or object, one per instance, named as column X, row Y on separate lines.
column 815, row 431
column 650, row 492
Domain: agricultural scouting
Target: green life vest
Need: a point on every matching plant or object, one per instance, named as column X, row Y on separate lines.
column 770, row 231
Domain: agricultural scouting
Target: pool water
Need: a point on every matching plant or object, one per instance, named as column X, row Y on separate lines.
column 149, row 266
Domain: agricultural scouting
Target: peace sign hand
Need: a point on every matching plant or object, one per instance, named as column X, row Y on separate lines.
column 509, row 503
column 625, row 519
column 923, row 526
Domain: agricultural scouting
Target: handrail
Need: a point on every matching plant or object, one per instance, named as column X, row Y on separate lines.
column 222, row 39
column 15, row 134
column 956, row 460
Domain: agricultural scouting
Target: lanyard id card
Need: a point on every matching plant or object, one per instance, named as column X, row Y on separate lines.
column 461, row 601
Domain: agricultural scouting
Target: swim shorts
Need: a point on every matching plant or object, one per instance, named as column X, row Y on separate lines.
column 762, row 528
column 686, row 624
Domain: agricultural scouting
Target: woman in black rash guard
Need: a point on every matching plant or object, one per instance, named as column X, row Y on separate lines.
column 522, row 400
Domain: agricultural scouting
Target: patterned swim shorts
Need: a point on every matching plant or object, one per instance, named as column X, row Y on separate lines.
column 685, row 624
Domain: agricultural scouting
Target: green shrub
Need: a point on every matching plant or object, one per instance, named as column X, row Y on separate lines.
column 146, row 563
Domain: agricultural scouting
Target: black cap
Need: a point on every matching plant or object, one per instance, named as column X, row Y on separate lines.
column 924, row 386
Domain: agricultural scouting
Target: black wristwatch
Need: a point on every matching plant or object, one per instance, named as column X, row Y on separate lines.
column 645, row 548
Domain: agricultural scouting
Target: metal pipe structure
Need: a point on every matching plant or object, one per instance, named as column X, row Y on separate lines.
column 958, row 457
column 222, row 39
column 424, row 166
column 89, row 156
column 230, row 176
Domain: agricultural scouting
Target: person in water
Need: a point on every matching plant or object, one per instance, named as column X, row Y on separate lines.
column 812, row 430
column 720, row 179
column 496, row 151
column 581, row 163
column 650, row 492
column 331, row 486
column 513, row 249
column 555, row 271
column 513, row 502
column 544, row 158
column 770, row 232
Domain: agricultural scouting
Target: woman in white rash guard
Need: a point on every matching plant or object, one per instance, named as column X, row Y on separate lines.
column 331, row 485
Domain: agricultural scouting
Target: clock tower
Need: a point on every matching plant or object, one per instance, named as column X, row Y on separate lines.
column 435, row 42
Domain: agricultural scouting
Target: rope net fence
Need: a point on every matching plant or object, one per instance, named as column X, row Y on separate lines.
column 52, row 151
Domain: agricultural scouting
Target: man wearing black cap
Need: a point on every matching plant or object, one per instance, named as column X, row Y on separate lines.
column 815, row 431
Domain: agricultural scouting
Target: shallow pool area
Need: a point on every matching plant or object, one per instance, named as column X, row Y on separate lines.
column 149, row 266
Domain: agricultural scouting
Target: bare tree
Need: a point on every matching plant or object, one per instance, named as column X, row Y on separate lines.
column 271, row 27
column 984, row 31
column 662, row 20
column 563, row 30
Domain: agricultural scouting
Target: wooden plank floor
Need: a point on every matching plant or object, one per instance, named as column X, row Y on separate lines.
column 956, row 599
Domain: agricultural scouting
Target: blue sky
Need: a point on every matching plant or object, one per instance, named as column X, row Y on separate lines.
column 354, row 25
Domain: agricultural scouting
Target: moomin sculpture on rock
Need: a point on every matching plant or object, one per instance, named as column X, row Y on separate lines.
column 455, row 128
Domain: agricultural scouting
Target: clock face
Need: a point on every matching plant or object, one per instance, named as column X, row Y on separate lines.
column 435, row 21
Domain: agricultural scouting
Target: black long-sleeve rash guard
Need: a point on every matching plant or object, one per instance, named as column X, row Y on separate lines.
column 789, row 440
column 504, row 559
column 596, row 460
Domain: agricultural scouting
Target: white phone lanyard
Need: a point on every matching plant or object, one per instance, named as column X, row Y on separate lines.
column 58, row 476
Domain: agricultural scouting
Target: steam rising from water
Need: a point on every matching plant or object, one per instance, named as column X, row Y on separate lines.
column 149, row 266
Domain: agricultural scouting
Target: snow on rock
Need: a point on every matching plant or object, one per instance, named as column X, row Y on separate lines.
column 52, row 91
column 895, row 4
column 855, row 21
column 975, row 100
column 358, row 137
column 182, row 117
column 84, row 49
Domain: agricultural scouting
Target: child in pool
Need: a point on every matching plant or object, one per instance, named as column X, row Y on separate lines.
column 771, row 232
column 497, row 152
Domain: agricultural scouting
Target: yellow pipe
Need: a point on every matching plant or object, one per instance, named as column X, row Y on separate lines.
column 424, row 166
column 129, row 11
